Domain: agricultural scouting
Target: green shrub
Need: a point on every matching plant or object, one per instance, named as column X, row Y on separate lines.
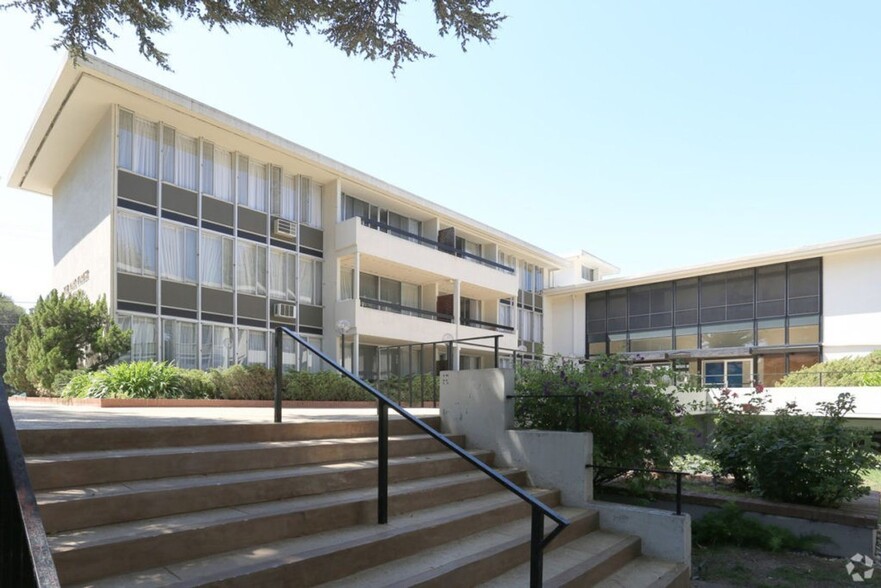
column 245, row 382
column 410, row 389
column 62, row 379
column 635, row 422
column 790, row 456
column 198, row 384
column 729, row 526
column 326, row 386
column 141, row 379
column 847, row 371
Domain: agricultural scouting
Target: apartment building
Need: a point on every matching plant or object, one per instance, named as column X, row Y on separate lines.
column 735, row 323
column 205, row 232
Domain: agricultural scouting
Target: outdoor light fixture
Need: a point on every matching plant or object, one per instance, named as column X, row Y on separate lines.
column 343, row 327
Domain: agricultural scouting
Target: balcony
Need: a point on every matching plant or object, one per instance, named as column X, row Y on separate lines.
column 381, row 244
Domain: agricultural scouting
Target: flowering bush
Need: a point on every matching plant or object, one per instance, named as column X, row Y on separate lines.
column 791, row 456
column 635, row 421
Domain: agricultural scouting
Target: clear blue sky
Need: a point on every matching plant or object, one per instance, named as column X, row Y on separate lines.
column 652, row 133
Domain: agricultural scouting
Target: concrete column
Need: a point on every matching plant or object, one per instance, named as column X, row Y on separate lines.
column 356, row 279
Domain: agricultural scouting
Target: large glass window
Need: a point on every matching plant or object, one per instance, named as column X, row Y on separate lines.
column 310, row 202
column 616, row 311
column 252, row 184
column 686, row 302
column 138, row 145
column 347, row 283
column 525, row 325
column 661, row 340
column 731, row 373
column 804, row 287
column 180, row 159
column 310, row 281
column 727, row 335
column 179, row 252
column 506, row 315
column 251, row 347
column 804, row 330
column 772, row 332
column 218, row 170
column 686, row 338
column 282, row 275
column 251, row 268
column 284, row 195
column 596, row 313
column 136, row 244
column 217, row 258
column 179, row 343
column 217, row 346
column 143, row 344
column 771, row 291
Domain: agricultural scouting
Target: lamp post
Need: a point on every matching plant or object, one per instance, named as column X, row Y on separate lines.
column 343, row 327
column 522, row 350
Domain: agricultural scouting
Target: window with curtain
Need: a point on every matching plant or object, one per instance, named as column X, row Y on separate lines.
column 180, row 159
column 537, row 327
column 217, row 172
column 251, row 347
column 252, row 184
column 217, row 346
column 135, row 244
column 179, row 343
column 284, row 194
column 282, row 275
column 525, row 325
column 288, row 352
column 217, row 261
column 506, row 315
column 179, row 252
column 251, row 268
column 410, row 295
column 310, row 202
column 138, row 145
column 143, row 343
column 347, row 283
column 310, row 281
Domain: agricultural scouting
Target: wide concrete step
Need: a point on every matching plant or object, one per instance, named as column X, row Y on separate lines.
column 582, row 562
column 97, row 552
column 78, row 508
column 646, row 572
column 53, row 441
column 473, row 559
column 65, row 470
column 328, row 556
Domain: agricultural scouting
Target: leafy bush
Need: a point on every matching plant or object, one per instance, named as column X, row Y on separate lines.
column 410, row 389
column 245, row 382
column 847, row 371
column 695, row 463
column 790, row 456
column 141, row 379
column 635, row 421
column 198, row 384
column 729, row 526
column 327, row 386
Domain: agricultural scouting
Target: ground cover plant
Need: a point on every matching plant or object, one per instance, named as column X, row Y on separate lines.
column 636, row 422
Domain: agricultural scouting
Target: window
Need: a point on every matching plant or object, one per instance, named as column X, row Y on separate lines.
column 310, row 281
column 537, row 327
column 526, row 276
column 138, row 145
column 588, row 273
column 251, row 347
column 772, row 332
column 310, row 202
column 470, row 247
column 685, row 312
column 353, row 207
column 804, row 287
column 390, row 291
column 282, row 275
column 180, row 159
column 347, row 283
column 217, row 347
column 771, row 291
column 369, row 286
column 727, row 335
column 651, row 341
column 284, row 194
column 217, row 172
column 506, row 314
column 306, row 359
column 179, row 343
column 217, row 261
column 251, row 268
column 136, row 244
column 539, row 279
column 525, row 325
column 804, row 330
column 143, row 337
column 252, row 184
column 732, row 373
column 288, row 352
column 179, row 252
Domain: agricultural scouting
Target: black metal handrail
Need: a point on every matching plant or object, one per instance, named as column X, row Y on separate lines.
column 538, row 539
column 624, row 470
column 25, row 557
column 401, row 309
column 375, row 224
column 469, row 322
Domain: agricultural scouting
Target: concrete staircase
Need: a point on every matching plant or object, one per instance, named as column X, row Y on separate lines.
column 295, row 505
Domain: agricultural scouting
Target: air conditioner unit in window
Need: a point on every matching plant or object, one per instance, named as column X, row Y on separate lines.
column 283, row 310
column 284, row 229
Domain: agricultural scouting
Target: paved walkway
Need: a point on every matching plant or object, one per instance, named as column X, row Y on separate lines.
column 32, row 416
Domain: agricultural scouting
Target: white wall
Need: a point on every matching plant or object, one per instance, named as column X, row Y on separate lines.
column 851, row 303
column 564, row 325
column 82, row 202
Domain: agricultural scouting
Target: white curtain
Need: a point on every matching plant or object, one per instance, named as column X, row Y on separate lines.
column 257, row 348
column 276, row 274
column 185, row 355
column 173, row 252
column 256, row 198
column 247, row 268
column 124, row 147
column 223, row 174
column 525, row 325
column 410, row 295
column 187, row 162
column 537, row 327
column 347, row 286
column 505, row 317
column 149, row 247
column 145, row 148
column 289, row 198
column 291, row 277
column 208, row 168
column 212, row 260
column 129, row 243
column 242, row 347
column 310, row 202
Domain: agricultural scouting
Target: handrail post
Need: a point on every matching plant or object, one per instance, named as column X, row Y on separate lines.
column 496, row 350
column 679, row 493
column 577, row 426
column 535, row 549
column 382, row 498
column 279, row 372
